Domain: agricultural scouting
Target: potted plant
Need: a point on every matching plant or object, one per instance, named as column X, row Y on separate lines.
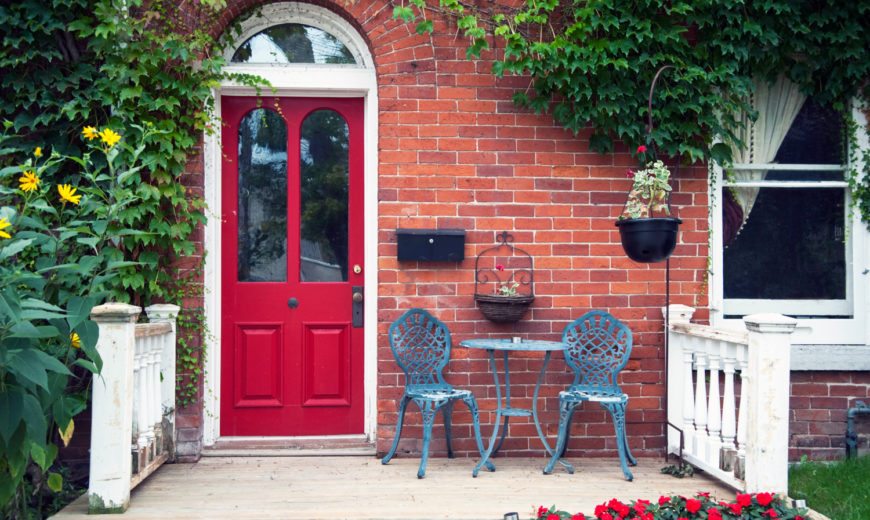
column 507, row 272
column 646, row 228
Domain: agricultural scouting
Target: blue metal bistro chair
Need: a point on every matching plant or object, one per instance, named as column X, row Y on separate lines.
column 421, row 345
column 597, row 347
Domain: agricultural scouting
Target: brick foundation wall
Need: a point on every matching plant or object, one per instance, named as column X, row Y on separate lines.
column 819, row 401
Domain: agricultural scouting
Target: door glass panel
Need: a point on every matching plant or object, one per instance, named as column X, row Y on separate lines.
column 792, row 246
column 262, row 197
column 324, row 200
column 293, row 43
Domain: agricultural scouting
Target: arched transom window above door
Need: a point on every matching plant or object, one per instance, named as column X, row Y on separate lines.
column 290, row 33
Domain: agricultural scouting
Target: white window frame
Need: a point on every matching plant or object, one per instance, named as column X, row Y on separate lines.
column 817, row 331
column 299, row 80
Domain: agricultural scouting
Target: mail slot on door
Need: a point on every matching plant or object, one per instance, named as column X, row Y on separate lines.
column 439, row 245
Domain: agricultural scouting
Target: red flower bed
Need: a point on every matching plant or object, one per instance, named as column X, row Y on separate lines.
column 761, row 506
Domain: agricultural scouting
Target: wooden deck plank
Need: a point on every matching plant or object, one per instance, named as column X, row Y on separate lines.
column 361, row 488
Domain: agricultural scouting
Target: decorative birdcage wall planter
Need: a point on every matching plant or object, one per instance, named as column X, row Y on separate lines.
column 504, row 281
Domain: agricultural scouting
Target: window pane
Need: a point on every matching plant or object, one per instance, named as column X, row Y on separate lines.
column 262, row 197
column 324, row 199
column 804, row 175
column 815, row 137
column 790, row 247
column 293, row 43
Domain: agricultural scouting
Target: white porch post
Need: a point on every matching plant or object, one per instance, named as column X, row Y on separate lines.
column 167, row 313
column 769, row 380
column 679, row 379
column 112, row 409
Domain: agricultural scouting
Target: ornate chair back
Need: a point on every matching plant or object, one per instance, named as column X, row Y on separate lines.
column 598, row 347
column 421, row 345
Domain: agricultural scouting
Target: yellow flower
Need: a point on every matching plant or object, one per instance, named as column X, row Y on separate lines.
column 29, row 181
column 109, row 137
column 3, row 225
column 68, row 193
column 90, row 133
column 75, row 340
column 38, row 152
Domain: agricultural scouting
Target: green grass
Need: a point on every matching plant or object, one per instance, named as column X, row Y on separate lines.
column 839, row 490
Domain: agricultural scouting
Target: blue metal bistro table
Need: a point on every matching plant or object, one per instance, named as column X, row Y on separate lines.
column 505, row 346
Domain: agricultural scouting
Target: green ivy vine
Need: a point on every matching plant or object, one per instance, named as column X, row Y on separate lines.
column 591, row 63
column 126, row 64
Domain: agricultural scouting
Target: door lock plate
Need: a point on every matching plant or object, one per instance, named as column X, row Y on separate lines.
column 358, row 306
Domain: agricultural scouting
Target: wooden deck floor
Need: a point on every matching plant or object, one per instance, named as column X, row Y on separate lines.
column 361, row 488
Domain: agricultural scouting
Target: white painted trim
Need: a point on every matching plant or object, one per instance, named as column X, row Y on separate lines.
column 787, row 167
column 816, row 331
column 298, row 81
column 830, row 357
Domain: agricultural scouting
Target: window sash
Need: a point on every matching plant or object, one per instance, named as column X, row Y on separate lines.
column 812, row 308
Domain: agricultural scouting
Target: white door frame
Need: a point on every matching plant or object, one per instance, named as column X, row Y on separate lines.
column 299, row 81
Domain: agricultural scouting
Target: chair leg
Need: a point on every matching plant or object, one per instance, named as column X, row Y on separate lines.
column 631, row 460
column 568, row 433
column 566, row 411
column 471, row 403
column 429, row 411
column 402, row 405
column 447, row 412
column 617, row 412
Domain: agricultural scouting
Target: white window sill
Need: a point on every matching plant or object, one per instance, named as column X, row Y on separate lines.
column 830, row 357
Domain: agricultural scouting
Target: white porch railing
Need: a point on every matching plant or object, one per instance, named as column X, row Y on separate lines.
column 133, row 410
column 742, row 442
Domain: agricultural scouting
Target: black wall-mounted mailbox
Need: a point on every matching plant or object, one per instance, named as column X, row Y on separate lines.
column 440, row 245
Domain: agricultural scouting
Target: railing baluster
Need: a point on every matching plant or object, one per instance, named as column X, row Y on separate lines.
column 714, row 410
column 741, row 415
column 159, row 345
column 142, row 441
column 153, row 389
column 700, row 404
column 729, row 411
column 137, row 389
column 689, row 432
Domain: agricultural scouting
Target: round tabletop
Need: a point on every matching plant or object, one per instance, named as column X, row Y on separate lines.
column 527, row 345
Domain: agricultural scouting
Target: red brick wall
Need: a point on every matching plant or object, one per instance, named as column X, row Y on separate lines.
column 454, row 152
column 819, row 401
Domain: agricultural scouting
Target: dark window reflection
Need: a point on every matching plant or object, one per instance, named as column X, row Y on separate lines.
column 324, row 197
column 791, row 247
column 293, row 43
column 262, row 197
column 815, row 137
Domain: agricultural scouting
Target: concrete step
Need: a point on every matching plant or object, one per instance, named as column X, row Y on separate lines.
column 332, row 446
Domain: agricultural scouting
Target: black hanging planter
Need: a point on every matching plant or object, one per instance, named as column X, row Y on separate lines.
column 646, row 238
column 504, row 281
column 649, row 240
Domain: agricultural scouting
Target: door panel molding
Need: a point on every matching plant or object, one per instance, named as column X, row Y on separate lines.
column 326, row 361
column 259, row 344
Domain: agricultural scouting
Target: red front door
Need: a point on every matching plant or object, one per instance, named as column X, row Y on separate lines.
column 292, row 262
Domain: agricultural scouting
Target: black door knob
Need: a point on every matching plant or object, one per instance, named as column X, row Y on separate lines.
column 292, row 303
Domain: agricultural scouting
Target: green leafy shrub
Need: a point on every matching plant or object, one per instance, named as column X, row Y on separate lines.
column 59, row 256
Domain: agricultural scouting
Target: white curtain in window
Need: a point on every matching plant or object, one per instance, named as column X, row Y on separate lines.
column 778, row 105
